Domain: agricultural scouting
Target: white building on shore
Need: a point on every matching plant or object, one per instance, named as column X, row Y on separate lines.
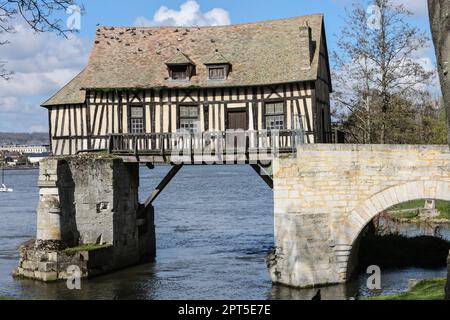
column 25, row 149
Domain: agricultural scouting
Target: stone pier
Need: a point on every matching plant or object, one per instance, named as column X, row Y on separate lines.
column 327, row 194
column 88, row 216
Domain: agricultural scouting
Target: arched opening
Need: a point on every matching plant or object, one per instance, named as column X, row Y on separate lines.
column 408, row 241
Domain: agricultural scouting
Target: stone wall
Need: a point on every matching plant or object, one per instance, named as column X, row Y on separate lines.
column 89, row 200
column 327, row 194
column 56, row 209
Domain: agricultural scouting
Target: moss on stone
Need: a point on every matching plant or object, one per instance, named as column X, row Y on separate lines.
column 87, row 247
column 101, row 154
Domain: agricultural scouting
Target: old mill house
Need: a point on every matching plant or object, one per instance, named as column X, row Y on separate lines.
column 144, row 88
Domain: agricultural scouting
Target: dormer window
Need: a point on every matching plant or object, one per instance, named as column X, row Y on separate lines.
column 180, row 67
column 178, row 72
column 217, row 73
column 218, row 67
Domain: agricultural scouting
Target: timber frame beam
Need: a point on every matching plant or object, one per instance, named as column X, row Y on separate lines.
column 264, row 173
column 162, row 185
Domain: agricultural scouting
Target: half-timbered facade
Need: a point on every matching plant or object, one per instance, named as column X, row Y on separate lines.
column 149, row 83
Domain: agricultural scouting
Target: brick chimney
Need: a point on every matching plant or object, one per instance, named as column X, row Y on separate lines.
column 306, row 44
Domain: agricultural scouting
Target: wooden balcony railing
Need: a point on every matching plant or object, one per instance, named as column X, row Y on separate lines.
column 209, row 143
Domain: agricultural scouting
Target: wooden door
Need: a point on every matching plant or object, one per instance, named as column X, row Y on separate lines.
column 237, row 120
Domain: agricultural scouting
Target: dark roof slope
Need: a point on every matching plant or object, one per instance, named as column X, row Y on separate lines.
column 260, row 53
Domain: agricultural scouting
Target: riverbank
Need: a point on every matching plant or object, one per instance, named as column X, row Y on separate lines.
column 410, row 211
column 409, row 222
column 432, row 289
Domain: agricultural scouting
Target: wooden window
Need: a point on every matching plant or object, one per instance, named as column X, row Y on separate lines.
column 179, row 72
column 217, row 73
column 137, row 120
column 275, row 116
column 189, row 118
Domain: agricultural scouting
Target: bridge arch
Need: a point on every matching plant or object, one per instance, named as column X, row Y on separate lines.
column 366, row 211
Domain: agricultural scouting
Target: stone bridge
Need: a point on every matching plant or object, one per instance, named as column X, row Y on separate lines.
column 327, row 194
column 324, row 196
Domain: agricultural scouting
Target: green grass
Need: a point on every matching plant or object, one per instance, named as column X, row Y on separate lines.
column 433, row 289
column 87, row 247
column 442, row 206
column 410, row 215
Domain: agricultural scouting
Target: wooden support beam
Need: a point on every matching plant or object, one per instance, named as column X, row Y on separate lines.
column 264, row 174
column 162, row 185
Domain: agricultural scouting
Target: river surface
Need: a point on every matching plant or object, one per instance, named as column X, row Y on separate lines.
column 214, row 226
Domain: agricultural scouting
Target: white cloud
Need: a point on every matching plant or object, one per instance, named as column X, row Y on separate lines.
column 418, row 7
column 425, row 57
column 42, row 64
column 8, row 104
column 38, row 128
column 189, row 14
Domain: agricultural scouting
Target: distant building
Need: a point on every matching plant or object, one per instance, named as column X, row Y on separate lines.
column 2, row 159
column 15, row 158
column 35, row 158
column 25, row 149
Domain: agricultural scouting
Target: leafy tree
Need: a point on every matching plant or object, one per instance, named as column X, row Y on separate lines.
column 416, row 119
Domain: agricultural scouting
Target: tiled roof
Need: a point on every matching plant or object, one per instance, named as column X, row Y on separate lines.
column 266, row 52
column 179, row 58
column 71, row 93
column 216, row 58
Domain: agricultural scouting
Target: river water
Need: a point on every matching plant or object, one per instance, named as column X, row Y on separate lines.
column 214, row 226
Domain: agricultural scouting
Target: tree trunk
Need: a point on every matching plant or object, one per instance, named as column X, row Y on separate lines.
column 447, row 287
column 439, row 11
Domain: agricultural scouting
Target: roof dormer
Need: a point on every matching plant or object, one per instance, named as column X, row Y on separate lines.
column 180, row 67
column 218, row 66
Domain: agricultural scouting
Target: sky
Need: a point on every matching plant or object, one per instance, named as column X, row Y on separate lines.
column 43, row 63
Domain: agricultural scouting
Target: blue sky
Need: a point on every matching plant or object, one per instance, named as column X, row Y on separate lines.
column 44, row 63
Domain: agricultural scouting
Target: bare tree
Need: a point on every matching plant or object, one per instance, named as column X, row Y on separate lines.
column 439, row 11
column 374, row 63
column 40, row 15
